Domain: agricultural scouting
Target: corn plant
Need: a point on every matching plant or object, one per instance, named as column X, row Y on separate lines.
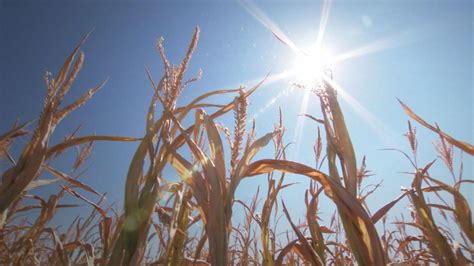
column 37, row 151
column 191, row 221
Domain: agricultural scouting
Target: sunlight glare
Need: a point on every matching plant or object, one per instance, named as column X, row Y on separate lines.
column 261, row 17
column 299, row 130
column 309, row 68
column 385, row 134
column 386, row 43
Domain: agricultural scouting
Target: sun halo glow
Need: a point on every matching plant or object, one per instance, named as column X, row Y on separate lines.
column 309, row 68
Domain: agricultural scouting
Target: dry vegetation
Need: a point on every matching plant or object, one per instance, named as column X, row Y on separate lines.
column 190, row 222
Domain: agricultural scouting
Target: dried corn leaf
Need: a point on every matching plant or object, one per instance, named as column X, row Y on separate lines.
column 460, row 144
column 40, row 182
column 370, row 249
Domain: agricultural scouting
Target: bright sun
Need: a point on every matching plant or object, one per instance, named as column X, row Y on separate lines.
column 309, row 68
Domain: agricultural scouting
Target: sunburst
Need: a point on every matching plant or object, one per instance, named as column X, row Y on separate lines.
column 310, row 65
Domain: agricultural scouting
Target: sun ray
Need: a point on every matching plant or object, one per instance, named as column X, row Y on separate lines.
column 385, row 134
column 379, row 45
column 312, row 60
column 381, row 130
column 272, row 79
column 261, row 17
column 300, row 123
column 269, row 79
column 323, row 22
column 272, row 101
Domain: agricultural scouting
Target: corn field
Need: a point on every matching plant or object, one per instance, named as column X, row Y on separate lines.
column 191, row 221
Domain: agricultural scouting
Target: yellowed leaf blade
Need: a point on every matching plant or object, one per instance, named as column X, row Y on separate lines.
column 309, row 253
column 81, row 140
column 40, row 182
column 382, row 211
column 460, row 144
column 217, row 151
column 370, row 249
column 71, row 180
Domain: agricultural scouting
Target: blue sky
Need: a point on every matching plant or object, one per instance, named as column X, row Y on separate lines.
column 422, row 54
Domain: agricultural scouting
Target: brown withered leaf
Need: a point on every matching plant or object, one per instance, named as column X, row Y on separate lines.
column 460, row 144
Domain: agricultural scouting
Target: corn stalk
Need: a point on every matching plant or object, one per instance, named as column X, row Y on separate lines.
column 33, row 156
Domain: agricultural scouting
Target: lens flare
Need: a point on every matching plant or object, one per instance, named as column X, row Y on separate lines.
column 309, row 68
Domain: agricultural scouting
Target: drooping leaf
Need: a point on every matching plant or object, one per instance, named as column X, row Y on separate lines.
column 460, row 144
